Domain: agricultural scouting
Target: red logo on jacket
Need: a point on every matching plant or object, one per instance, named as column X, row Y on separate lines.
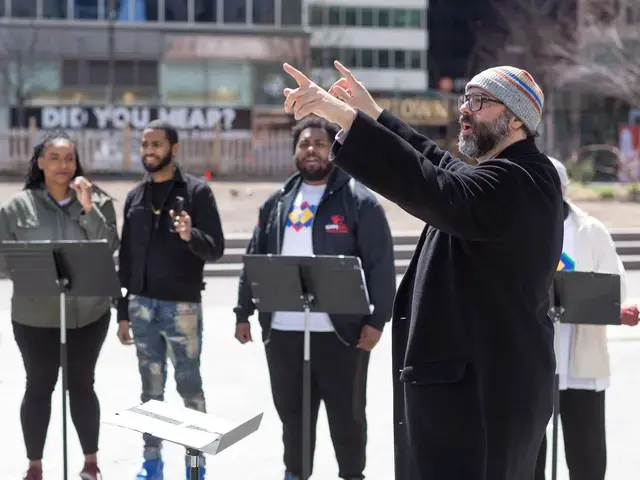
column 337, row 225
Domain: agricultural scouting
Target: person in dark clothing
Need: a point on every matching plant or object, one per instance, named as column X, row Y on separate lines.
column 59, row 203
column 321, row 210
column 472, row 328
column 161, row 265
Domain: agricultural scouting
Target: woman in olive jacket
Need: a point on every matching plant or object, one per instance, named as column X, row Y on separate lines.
column 59, row 203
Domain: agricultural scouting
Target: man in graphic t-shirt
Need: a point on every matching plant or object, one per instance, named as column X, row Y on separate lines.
column 321, row 210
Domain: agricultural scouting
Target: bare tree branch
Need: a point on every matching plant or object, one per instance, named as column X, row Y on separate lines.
column 20, row 65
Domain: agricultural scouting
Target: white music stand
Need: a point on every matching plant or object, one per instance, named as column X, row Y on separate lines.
column 198, row 432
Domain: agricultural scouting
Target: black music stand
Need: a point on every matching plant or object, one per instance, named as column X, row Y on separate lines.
column 330, row 284
column 580, row 298
column 63, row 268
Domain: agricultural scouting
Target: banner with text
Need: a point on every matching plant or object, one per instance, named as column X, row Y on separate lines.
column 103, row 118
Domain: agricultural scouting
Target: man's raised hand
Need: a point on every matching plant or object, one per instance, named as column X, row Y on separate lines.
column 353, row 92
column 310, row 98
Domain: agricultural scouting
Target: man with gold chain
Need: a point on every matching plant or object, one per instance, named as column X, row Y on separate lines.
column 171, row 229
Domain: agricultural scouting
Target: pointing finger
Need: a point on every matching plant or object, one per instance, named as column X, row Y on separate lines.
column 297, row 75
column 345, row 71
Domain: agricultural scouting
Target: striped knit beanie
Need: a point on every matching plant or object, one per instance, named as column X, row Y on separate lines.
column 516, row 89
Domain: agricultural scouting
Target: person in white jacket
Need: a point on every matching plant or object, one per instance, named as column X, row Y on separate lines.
column 581, row 350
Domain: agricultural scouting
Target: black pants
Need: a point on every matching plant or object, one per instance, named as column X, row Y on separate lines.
column 582, row 413
column 40, row 348
column 339, row 378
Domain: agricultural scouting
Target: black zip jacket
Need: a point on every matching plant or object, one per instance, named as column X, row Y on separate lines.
column 155, row 262
column 367, row 236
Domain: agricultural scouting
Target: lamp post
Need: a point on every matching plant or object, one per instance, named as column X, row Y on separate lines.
column 111, row 57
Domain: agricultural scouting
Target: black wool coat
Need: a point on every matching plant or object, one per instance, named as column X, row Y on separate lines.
column 472, row 341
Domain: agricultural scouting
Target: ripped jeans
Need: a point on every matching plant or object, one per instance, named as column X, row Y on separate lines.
column 174, row 329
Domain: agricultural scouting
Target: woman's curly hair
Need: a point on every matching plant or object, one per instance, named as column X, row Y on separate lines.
column 35, row 176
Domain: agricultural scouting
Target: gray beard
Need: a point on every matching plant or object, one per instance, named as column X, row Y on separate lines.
column 484, row 138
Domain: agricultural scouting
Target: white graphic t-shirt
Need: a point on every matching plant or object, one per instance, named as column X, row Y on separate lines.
column 298, row 241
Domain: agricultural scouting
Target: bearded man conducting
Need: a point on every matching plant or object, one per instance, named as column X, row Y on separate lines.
column 473, row 342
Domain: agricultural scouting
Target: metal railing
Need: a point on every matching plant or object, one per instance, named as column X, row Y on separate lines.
column 266, row 153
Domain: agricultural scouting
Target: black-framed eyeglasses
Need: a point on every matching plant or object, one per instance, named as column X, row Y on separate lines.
column 475, row 100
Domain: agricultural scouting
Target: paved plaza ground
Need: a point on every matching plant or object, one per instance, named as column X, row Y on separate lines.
column 236, row 384
column 238, row 202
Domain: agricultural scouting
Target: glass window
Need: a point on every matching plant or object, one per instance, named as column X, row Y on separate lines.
column 366, row 19
column 229, row 83
column 71, row 73
column 24, row 8
column 316, row 57
column 176, row 11
column 235, row 11
column 264, row 12
column 400, row 18
column 147, row 75
column 124, row 73
column 367, row 58
column 415, row 60
column 2, row 13
column 98, row 72
column 331, row 54
column 383, row 59
column 415, row 19
column 316, row 15
column 334, row 16
column 350, row 17
column 134, row 10
column 399, row 59
column 182, row 76
column 206, row 11
column 85, row 9
column 54, row 8
column 291, row 12
column 384, row 17
column 349, row 57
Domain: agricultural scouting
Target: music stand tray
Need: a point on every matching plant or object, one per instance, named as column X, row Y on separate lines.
column 334, row 285
column 200, row 433
column 587, row 298
column 62, row 268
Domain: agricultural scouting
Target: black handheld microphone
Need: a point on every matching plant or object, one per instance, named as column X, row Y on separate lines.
column 178, row 207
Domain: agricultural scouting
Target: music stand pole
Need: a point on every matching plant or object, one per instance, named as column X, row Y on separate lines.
column 334, row 285
column 194, row 463
column 58, row 269
column 63, row 283
column 307, row 300
column 579, row 298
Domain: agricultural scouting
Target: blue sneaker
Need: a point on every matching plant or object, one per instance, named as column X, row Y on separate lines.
column 202, row 473
column 151, row 470
column 290, row 476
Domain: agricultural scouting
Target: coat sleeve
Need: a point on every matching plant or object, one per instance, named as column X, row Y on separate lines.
column 207, row 238
column 100, row 223
column 419, row 142
column 6, row 234
column 471, row 202
column 375, row 245
column 245, row 306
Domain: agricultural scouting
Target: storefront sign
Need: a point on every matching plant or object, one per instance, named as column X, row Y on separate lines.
column 236, row 47
column 418, row 111
column 102, row 118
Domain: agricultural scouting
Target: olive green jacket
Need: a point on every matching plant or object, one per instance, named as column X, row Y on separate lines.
column 34, row 215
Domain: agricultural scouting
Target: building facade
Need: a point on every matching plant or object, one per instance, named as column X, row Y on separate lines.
column 384, row 42
column 202, row 59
